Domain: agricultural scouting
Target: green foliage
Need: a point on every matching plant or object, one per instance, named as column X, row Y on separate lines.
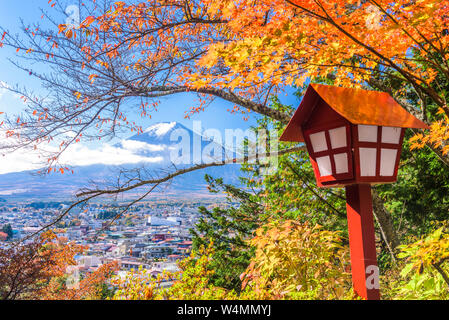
column 288, row 193
column 424, row 271
column 292, row 261
column 228, row 229
column 298, row 261
column 105, row 291
column 129, row 222
column 291, row 192
column 107, row 214
column 428, row 251
column 420, row 196
column 133, row 285
column 46, row 205
column 8, row 230
column 191, row 283
column 418, row 200
column 194, row 283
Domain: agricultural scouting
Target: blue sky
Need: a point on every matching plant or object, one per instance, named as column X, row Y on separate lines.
column 171, row 108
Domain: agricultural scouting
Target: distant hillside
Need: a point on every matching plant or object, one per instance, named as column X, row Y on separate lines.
column 154, row 143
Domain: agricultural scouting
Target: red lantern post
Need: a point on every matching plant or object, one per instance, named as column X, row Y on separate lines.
column 362, row 244
column 354, row 139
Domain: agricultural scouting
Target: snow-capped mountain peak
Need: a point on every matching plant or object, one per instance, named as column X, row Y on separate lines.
column 155, row 148
column 160, row 129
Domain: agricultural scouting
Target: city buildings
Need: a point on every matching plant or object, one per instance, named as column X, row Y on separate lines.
column 149, row 235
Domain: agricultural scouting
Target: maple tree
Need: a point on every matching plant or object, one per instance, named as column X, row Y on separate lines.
column 240, row 51
column 38, row 270
column 22, row 268
column 245, row 47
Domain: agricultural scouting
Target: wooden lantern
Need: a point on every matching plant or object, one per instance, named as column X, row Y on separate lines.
column 354, row 139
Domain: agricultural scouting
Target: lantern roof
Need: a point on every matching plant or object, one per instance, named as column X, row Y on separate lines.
column 358, row 106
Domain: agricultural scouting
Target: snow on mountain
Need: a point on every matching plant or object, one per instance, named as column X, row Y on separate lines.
column 154, row 149
column 167, row 139
column 160, row 129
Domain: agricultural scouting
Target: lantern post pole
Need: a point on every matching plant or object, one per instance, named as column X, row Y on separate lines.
column 365, row 272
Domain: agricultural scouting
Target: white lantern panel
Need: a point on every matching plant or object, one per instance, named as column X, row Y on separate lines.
column 387, row 162
column 341, row 163
column 338, row 137
column 367, row 133
column 324, row 165
column 318, row 141
column 391, row 135
column 367, row 162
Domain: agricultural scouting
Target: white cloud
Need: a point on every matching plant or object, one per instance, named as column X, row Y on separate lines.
column 19, row 161
column 76, row 155
column 79, row 155
column 135, row 146
column 12, row 191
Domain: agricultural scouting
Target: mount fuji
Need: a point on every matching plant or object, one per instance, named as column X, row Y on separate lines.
column 155, row 149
